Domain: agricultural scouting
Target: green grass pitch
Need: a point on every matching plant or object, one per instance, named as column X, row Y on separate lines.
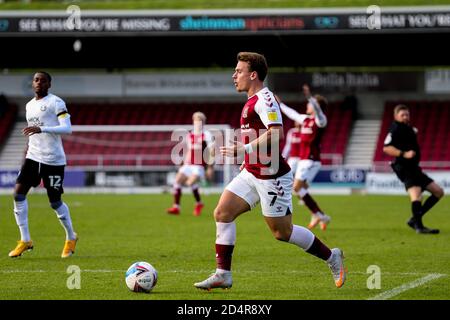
column 205, row 4
column 117, row 230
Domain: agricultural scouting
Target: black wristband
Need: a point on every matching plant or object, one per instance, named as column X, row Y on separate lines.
column 401, row 154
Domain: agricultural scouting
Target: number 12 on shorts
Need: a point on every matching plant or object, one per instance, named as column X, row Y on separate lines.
column 55, row 181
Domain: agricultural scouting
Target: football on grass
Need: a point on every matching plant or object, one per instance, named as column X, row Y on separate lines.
column 141, row 277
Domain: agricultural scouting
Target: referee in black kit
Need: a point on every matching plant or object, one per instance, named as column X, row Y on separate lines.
column 401, row 143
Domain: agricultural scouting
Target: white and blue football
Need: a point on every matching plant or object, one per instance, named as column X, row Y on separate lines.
column 141, row 277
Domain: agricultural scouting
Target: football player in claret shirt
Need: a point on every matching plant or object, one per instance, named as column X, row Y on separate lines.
column 48, row 119
column 265, row 177
column 199, row 145
column 312, row 124
column 291, row 150
column 401, row 143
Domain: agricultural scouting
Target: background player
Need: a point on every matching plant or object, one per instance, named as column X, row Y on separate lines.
column 268, row 182
column 291, row 150
column 401, row 143
column 199, row 145
column 45, row 160
column 313, row 124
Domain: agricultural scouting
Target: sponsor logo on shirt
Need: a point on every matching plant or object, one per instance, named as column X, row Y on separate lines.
column 273, row 116
column 34, row 121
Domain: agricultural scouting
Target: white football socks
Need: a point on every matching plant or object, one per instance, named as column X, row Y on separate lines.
column 301, row 237
column 226, row 233
column 63, row 214
column 302, row 192
column 21, row 215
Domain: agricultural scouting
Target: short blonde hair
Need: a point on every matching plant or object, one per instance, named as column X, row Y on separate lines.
column 399, row 108
column 199, row 115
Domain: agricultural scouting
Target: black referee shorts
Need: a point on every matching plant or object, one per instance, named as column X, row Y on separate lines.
column 412, row 176
column 33, row 172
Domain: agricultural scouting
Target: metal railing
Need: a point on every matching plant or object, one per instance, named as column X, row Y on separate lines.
column 146, row 161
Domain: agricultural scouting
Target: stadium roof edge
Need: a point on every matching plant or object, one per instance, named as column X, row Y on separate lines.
column 354, row 10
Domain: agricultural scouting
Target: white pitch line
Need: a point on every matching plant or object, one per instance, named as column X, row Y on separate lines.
column 24, row 271
column 391, row 293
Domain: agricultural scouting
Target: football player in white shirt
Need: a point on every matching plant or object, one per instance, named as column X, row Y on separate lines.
column 45, row 160
column 199, row 144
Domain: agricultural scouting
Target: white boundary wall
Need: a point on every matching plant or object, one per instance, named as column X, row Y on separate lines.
column 388, row 183
column 165, row 189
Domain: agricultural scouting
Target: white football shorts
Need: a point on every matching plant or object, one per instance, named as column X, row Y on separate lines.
column 293, row 163
column 307, row 170
column 275, row 195
column 192, row 169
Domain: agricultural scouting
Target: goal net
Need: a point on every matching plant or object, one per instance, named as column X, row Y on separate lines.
column 138, row 155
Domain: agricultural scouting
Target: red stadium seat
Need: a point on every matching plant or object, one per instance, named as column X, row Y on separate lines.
column 134, row 143
column 7, row 120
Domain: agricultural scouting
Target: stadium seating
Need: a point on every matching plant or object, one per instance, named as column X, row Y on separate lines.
column 135, row 148
column 7, row 119
column 153, row 148
column 152, row 114
column 432, row 119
